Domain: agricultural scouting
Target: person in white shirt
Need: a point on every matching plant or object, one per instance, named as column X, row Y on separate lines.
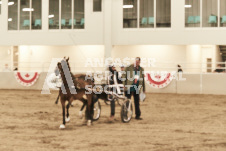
column 115, row 81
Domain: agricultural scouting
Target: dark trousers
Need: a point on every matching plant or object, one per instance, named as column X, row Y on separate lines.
column 136, row 101
column 112, row 107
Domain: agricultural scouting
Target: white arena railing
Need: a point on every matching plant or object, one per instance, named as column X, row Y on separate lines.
column 200, row 78
column 79, row 67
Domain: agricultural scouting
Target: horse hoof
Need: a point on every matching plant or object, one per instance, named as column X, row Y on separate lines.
column 62, row 126
column 89, row 123
column 80, row 114
column 67, row 119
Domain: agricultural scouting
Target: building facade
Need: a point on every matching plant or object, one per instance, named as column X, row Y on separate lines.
column 185, row 28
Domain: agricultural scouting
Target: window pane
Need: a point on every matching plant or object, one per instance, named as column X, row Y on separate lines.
column 79, row 17
column 66, row 14
column 129, row 13
column 163, row 13
column 96, row 5
column 192, row 13
column 37, row 14
column 53, row 14
column 13, row 15
column 223, row 13
column 209, row 13
column 146, row 13
column 24, row 14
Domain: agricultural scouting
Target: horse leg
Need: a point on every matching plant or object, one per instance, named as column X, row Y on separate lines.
column 89, row 109
column 94, row 100
column 56, row 102
column 67, row 116
column 62, row 126
column 81, row 110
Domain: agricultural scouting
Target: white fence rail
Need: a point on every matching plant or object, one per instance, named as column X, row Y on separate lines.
column 212, row 83
column 81, row 67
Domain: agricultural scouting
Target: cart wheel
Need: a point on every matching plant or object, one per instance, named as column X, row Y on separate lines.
column 107, row 102
column 120, row 102
column 109, row 99
column 96, row 111
column 126, row 111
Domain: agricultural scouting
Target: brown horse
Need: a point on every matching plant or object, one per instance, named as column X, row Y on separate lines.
column 73, row 88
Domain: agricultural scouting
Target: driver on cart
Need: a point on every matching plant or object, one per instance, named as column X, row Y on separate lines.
column 115, row 85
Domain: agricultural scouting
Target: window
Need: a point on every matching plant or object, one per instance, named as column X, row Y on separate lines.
column 13, row 15
column 66, row 16
column 192, row 13
column 97, row 5
column 129, row 13
column 223, row 13
column 147, row 13
column 163, row 13
column 79, row 18
column 25, row 14
column 72, row 14
column 36, row 14
column 30, row 14
column 152, row 13
column 54, row 6
column 209, row 13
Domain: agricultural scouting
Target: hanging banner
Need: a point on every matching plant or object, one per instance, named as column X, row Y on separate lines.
column 159, row 79
column 26, row 78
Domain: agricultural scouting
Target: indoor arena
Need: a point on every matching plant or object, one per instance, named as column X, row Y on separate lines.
column 112, row 75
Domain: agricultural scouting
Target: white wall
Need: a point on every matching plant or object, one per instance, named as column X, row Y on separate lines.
column 193, row 58
column 167, row 56
column 38, row 57
column 190, row 57
column 196, row 57
column 5, row 56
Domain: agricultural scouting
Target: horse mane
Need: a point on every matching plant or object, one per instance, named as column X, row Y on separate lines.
column 79, row 80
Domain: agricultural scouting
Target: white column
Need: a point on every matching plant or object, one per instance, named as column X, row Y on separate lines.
column 4, row 16
column 177, row 19
column 107, row 11
column 45, row 14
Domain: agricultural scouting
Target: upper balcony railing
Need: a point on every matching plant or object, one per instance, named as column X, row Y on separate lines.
column 80, row 67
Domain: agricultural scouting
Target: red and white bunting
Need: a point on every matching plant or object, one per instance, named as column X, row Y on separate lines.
column 26, row 78
column 159, row 80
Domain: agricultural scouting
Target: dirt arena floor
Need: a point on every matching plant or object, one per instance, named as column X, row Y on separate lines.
column 30, row 121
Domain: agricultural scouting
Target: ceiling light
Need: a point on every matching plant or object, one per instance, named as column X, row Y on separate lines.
column 127, row 6
column 51, row 16
column 28, row 9
column 187, row 6
column 10, row 3
column 10, row 19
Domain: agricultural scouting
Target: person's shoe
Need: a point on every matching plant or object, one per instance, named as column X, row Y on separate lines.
column 138, row 118
column 111, row 119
